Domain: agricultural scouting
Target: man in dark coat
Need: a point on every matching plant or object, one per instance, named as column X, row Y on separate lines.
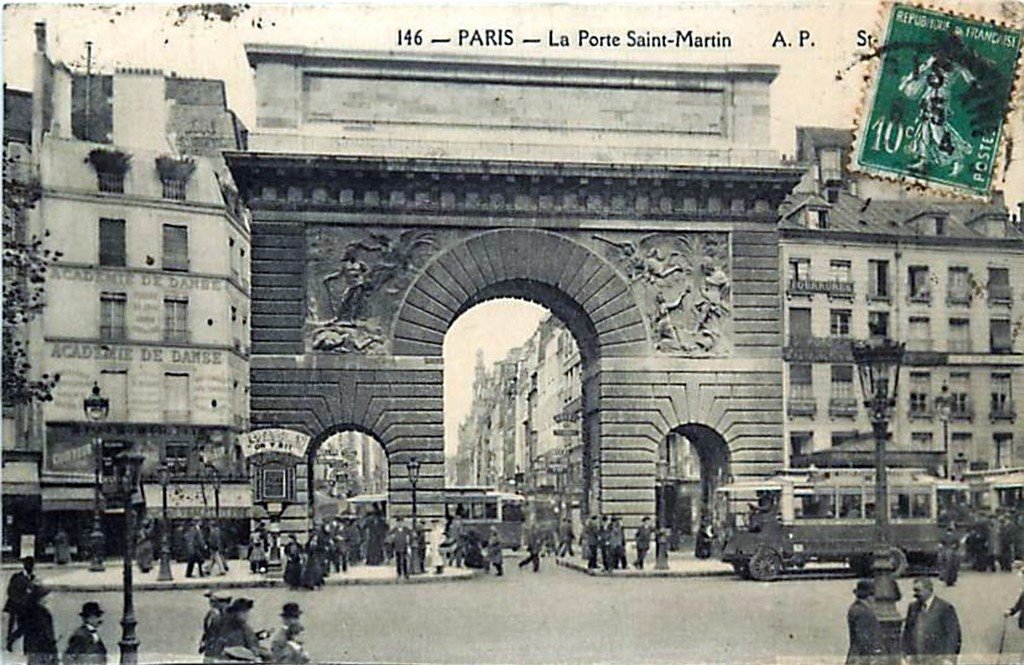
column 592, row 541
column 35, row 625
column 17, row 590
column 606, row 544
column 401, row 539
column 208, row 643
column 931, row 633
column 949, row 557
column 566, row 536
column 643, row 542
column 534, row 542
column 195, row 549
column 865, row 631
column 1018, row 609
column 85, row 646
column 234, row 631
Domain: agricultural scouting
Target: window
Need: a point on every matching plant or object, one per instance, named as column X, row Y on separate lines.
column 111, row 183
column 839, row 271
column 839, row 322
column 999, row 285
column 821, row 505
column 850, row 504
column 960, row 395
column 114, row 384
column 920, row 393
column 799, row 269
column 920, row 334
column 878, row 324
column 801, row 385
column 175, row 319
column 176, row 455
column 112, row 309
column 999, row 336
column 1002, row 442
column 821, row 219
column 959, row 285
column 920, row 505
column 274, row 485
column 959, row 336
column 1002, row 398
column 962, row 442
column 112, row 242
column 919, row 283
column 799, row 443
column 175, row 256
column 842, row 382
column 921, row 440
column 176, row 398
column 174, row 189
column 878, row 276
column 799, row 323
column 940, row 225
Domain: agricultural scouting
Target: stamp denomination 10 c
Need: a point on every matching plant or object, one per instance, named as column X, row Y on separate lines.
column 941, row 95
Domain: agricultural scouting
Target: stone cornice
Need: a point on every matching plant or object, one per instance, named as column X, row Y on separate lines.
column 507, row 188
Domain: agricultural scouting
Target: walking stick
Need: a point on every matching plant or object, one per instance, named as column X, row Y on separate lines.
column 1002, row 639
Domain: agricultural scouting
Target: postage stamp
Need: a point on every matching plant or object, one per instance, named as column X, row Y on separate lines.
column 940, row 97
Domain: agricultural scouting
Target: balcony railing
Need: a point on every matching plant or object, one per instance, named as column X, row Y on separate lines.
column 919, row 410
column 1000, row 295
column 959, row 345
column 111, row 183
column 802, row 406
column 1004, row 411
column 177, row 416
column 965, row 412
column 958, row 298
column 832, row 288
column 920, row 297
column 174, row 189
column 842, row 406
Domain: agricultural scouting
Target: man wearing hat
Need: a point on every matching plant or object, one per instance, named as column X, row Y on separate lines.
column 234, row 631
column 17, row 588
column 35, row 624
column 211, row 622
column 865, row 631
column 286, row 647
column 85, row 646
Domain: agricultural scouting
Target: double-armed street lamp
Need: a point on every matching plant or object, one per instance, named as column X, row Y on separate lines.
column 412, row 468
column 96, row 408
column 878, row 362
column 165, row 575
column 129, row 466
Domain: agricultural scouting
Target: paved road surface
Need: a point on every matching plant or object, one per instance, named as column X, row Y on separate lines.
column 560, row 615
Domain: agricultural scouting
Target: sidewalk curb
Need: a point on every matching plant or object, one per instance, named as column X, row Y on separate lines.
column 637, row 574
column 264, row 583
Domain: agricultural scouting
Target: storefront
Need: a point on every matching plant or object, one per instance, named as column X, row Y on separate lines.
column 195, row 499
column 21, row 504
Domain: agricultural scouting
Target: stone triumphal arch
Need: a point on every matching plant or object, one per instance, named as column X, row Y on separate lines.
column 389, row 195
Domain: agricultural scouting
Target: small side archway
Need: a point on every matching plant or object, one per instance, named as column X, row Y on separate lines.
column 693, row 460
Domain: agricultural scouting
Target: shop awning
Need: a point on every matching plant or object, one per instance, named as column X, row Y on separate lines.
column 193, row 500
column 67, row 497
column 21, row 478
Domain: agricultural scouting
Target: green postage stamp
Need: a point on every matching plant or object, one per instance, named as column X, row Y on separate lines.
column 941, row 94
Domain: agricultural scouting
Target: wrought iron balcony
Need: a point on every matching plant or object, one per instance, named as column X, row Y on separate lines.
column 831, row 288
column 1005, row 411
column 802, row 406
column 920, row 411
column 958, row 298
column 1000, row 295
column 842, row 406
column 111, row 183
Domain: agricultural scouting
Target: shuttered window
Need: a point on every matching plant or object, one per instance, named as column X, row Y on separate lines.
column 175, row 256
column 112, row 242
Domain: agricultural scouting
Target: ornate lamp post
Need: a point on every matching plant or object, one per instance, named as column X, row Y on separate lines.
column 165, row 575
column 661, row 530
column 216, row 495
column 878, row 362
column 96, row 409
column 944, row 405
column 129, row 466
column 412, row 467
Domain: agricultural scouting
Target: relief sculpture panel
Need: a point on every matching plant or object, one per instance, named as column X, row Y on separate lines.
column 355, row 280
column 684, row 282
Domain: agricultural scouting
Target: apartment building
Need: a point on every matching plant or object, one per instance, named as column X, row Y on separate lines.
column 944, row 276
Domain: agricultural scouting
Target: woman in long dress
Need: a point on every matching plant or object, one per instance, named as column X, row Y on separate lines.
column 293, row 567
column 435, row 540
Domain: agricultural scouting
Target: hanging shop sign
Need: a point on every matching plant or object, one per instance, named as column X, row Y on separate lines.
column 274, row 440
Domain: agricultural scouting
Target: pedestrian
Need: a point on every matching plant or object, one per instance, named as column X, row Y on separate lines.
column 35, row 626
column 931, row 633
column 195, row 549
column 257, row 554
column 286, row 646
column 618, row 544
column 61, row 547
column 534, row 543
column 643, row 542
column 566, row 536
column 606, row 546
column 992, row 534
column 17, row 591
column 293, row 565
column 145, row 550
column 85, row 646
column 592, row 541
column 949, row 556
column 457, row 534
column 1007, row 539
column 1018, row 607
column 494, row 554
column 353, row 541
column 400, row 539
column 234, row 631
column 865, row 631
column 218, row 566
column 705, row 539
column 313, row 568
column 435, row 557
column 209, row 643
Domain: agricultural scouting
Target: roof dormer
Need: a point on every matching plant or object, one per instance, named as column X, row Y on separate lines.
column 990, row 224
column 933, row 222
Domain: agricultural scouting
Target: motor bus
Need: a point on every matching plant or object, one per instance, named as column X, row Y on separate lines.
column 799, row 516
column 481, row 508
column 365, row 504
column 996, row 489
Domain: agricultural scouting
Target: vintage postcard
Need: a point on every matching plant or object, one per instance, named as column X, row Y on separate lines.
column 524, row 333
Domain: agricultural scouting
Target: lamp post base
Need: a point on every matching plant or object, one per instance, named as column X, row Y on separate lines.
column 661, row 550
column 887, row 594
column 97, row 542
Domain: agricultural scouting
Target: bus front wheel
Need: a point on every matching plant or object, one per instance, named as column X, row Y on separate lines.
column 766, row 565
column 742, row 568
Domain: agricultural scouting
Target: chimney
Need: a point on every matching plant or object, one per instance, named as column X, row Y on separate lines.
column 41, row 37
column 40, row 88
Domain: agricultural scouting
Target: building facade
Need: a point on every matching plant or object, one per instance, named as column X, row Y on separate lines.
column 150, row 297
column 863, row 257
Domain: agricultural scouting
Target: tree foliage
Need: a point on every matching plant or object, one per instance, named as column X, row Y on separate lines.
column 25, row 263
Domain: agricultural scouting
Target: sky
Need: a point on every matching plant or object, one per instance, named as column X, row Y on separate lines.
column 820, row 85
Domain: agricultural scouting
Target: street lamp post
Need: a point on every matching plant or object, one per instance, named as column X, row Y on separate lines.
column 878, row 362
column 661, row 524
column 129, row 465
column 216, row 496
column 944, row 405
column 96, row 409
column 165, row 575
column 413, row 469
